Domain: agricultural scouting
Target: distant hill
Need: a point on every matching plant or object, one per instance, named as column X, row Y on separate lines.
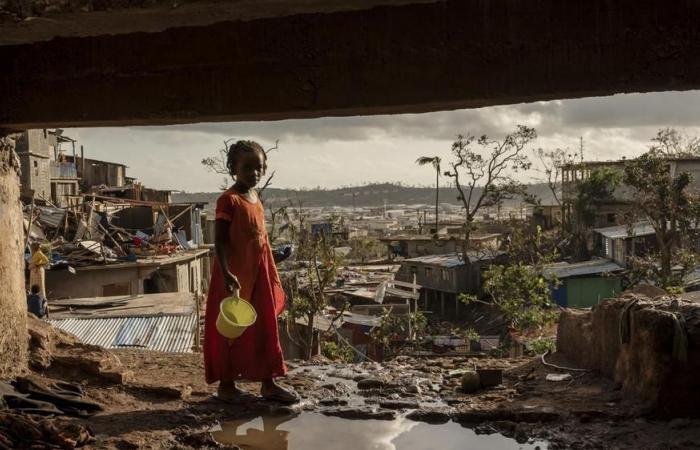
column 369, row 195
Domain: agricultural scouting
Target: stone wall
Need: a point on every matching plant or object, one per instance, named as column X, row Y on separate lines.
column 13, row 315
column 645, row 367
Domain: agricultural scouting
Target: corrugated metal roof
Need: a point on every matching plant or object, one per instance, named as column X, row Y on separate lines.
column 50, row 216
column 594, row 266
column 453, row 260
column 166, row 333
column 623, row 231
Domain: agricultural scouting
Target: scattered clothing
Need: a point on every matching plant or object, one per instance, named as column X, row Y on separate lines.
column 27, row 396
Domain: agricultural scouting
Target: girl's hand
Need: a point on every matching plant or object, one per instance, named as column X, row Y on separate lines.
column 231, row 282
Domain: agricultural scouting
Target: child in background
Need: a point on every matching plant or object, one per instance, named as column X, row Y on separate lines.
column 245, row 261
column 37, row 268
column 36, row 303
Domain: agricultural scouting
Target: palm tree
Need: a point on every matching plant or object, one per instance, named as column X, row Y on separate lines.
column 435, row 162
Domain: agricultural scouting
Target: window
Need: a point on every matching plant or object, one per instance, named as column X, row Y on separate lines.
column 445, row 274
column 611, row 217
column 428, row 271
column 36, row 164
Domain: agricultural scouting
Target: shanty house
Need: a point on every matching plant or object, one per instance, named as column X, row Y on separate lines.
column 585, row 284
column 444, row 277
column 181, row 272
column 621, row 242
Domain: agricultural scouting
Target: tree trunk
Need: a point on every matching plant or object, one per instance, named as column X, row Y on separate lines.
column 665, row 264
column 13, row 309
column 437, row 198
column 310, row 336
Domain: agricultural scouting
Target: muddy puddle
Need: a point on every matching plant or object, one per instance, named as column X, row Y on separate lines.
column 311, row 431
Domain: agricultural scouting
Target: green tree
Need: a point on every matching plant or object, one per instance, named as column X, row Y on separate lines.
column 521, row 289
column 435, row 162
column 486, row 167
column 317, row 252
column 595, row 189
column 665, row 201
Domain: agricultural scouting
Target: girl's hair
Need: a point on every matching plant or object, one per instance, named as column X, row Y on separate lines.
column 236, row 151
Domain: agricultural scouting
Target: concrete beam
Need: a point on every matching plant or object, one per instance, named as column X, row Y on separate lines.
column 387, row 59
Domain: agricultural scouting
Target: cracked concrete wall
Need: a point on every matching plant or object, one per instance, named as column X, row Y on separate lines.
column 13, row 303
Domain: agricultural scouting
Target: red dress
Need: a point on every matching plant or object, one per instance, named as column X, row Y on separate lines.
column 256, row 355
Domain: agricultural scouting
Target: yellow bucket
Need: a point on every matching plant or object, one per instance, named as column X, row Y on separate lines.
column 235, row 315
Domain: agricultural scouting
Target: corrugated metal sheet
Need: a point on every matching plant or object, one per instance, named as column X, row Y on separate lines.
column 595, row 266
column 623, row 231
column 166, row 333
column 50, row 216
column 453, row 260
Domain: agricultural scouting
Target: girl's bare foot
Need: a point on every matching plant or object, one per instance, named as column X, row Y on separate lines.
column 274, row 392
column 229, row 392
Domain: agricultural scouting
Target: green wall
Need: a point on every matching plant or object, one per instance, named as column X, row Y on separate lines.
column 587, row 292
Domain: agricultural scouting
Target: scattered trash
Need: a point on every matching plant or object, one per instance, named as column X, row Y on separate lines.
column 558, row 377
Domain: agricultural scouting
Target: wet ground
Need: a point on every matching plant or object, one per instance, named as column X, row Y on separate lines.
column 313, row 431
column 160, row 401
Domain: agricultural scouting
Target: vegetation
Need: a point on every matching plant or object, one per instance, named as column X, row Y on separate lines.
column 542, row 345
column 482, row 170
column 337, row 352
column 597, row 188
column 317, row 252
column 521, row 290
column 435, row 162
column 664, row 200
column 397, row 327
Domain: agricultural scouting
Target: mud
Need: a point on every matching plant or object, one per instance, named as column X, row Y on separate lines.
column 167, row 404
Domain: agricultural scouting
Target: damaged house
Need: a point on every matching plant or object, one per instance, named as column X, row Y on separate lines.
column 444, row 277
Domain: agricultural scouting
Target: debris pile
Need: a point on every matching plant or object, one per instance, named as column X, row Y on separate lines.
column 105, row 230
column 24, row 431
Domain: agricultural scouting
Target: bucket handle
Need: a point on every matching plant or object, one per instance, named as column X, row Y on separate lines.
column 236, row 293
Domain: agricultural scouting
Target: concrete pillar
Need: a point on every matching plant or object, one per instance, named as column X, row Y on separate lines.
column 13, row 303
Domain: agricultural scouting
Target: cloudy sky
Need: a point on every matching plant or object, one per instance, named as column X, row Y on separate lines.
column 333, row 152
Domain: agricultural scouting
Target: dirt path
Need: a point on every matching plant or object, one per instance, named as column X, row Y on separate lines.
column 168, row 405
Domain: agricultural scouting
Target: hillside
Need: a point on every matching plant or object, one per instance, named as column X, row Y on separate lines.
column 369, row 195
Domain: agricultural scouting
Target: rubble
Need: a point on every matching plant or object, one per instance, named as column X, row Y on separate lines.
column 23, row 431
column 54, row 351
column 96, row 231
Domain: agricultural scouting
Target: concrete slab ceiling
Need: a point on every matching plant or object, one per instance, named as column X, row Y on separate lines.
column 267, row 60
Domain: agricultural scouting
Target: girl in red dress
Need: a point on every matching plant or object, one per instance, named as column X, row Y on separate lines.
column 245, row 261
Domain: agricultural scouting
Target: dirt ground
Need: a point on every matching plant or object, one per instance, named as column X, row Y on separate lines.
column 168, row 405
column 160, row 401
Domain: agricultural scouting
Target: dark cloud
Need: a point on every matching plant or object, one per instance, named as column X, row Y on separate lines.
column 678, row 109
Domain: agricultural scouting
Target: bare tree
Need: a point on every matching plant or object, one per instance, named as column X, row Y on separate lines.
column 671, row 143
column 217, row 164
column 435, row 162
column 479, row 177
